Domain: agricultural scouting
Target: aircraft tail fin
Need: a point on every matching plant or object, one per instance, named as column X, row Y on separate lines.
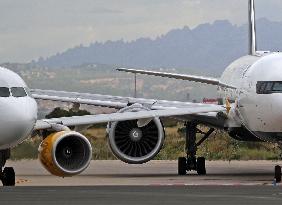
column 252, row 28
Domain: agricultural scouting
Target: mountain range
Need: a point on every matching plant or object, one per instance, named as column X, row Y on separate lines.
column 206, row 48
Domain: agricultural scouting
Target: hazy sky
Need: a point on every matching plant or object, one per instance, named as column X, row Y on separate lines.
column 33, row 28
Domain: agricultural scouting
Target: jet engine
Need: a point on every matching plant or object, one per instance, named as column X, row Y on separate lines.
column 136, row 141
column 65, row 153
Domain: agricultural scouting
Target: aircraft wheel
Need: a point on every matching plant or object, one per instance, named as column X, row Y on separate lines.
column 8, row 176
column 201, row 166
column 182, row 166
column 278, row 174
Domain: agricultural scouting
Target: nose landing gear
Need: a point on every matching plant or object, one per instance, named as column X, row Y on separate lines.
column 191, row 162
column 7, row 175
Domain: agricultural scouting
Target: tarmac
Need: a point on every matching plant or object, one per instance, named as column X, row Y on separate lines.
column 143, row 195
column 157, row 182
column 162, row 173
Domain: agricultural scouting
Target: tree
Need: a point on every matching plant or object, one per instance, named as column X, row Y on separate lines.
column 59, row 112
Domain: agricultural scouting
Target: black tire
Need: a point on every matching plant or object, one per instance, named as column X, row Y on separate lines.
column 201, row 166
column 278, row 174
column 182, row 166
column 191, row 163
column 8, row 178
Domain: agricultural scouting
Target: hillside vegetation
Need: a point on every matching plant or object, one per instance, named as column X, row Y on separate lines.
column 207, row 47
column 217, row 147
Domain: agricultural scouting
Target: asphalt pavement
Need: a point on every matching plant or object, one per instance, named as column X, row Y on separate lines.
column 157, row 182
column 135, row 195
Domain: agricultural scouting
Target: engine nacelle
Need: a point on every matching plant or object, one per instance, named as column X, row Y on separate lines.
column 65, row 153
column 134, row 144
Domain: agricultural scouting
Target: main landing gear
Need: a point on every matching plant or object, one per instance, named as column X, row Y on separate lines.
column 191, row 162
column 277, row 174
column 7, row 175
column 277, row 169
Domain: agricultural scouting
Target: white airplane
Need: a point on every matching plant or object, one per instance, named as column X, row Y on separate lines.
column 252, row 87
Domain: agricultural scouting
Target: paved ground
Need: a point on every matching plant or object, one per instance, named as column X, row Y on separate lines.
column 106, row 173
column 113, row 182
column 128, row 195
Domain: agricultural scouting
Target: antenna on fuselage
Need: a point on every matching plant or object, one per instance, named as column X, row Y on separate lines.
column 252, row 28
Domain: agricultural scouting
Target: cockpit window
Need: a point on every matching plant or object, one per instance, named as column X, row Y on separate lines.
column 18, row 92
column 27, row 91
column 268, row 87
column 4, row 92
column 277, row 87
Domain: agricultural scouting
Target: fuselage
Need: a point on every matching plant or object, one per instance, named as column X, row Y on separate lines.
column 18, row 110
column 257, row 99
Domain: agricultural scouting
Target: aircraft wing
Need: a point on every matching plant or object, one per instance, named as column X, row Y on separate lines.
column 113, row 117
column 194, row 78
column 81, row 98
column 110, row 101
column 206, row 117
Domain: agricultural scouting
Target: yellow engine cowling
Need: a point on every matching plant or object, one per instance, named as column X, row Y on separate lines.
column 65, row 153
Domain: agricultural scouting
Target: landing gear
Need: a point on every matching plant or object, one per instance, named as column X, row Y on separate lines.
column 182, row 166
column 7, row 175
column 277, row 174
column 191, row 162
column 201, row 166
column 277, row 169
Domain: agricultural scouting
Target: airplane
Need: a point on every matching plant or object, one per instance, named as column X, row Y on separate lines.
column 251, row 87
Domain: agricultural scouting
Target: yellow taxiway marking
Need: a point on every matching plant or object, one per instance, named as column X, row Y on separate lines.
column 21, row 181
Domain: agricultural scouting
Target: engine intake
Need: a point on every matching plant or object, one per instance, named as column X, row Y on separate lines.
column 65, row 153
column 133, row 144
